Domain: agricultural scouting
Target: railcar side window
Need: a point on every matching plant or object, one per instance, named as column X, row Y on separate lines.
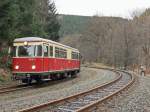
column 64, row 53
column 39, row 50
column 51, row 51
column 60, row 53
column 45, row 50
column 56, row 52
column 75, row 55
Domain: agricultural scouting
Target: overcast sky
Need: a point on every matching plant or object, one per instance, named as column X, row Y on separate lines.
column 122, row 8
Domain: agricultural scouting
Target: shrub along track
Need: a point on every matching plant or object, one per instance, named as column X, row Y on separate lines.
column 86, row 101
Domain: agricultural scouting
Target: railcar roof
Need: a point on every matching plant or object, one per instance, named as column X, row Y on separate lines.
column 38, row 39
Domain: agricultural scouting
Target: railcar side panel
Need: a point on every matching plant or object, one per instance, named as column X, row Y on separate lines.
column 51, row 62
column 46, row 64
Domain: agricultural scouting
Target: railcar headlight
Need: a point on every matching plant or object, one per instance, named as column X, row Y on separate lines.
column 33, row 67
column 25, row 43
column 16, row 67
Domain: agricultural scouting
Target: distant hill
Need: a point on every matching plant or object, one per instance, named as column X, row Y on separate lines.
column 113, row 41
column 72, row 24
column 103, row 40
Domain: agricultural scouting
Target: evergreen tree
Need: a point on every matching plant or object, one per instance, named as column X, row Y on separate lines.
column 30, row 21
column 8, row 19
column 24, row 18
column 48, row 15
column 53, row 25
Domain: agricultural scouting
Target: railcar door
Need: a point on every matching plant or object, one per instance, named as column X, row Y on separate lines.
column 45, row 58
column 51, row 57
column 38, row 59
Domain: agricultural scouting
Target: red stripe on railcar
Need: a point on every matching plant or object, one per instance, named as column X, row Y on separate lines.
column 44, row 64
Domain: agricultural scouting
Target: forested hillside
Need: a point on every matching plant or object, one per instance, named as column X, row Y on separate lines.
column 115, row 41
column 21, row 18
column 72, row 24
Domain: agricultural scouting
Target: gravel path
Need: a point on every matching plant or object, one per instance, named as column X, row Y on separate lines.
column 87, row 79
column 136, row 99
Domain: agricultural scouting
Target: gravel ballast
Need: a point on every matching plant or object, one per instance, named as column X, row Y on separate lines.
column 135, row 99
column 87, row 79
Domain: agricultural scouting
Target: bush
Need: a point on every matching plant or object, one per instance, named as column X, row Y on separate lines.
column 5, row 59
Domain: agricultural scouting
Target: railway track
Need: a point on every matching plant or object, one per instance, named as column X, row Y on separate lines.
column 86, row 101
column 13, row 88
column 26, row 86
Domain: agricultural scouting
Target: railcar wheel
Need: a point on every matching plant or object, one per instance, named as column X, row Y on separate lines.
column 38, row 80
column 59, row 76
column 53, row 77
column 27, row 81
column 62, row 76
column 65, row 75
column 69, row 75
column 74, row 74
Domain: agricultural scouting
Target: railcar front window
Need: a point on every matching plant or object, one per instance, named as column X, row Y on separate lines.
column 26, row 51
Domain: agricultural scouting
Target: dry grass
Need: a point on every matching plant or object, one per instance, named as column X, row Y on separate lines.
column 4, row 76
column 92, row 64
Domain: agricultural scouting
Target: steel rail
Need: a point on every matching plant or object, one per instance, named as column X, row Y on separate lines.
column 26, row 86
column 87, row 108
column 54, row 102
column 13, row 88
column 9, row 87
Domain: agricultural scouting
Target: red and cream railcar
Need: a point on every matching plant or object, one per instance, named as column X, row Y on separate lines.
column 37, row 58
